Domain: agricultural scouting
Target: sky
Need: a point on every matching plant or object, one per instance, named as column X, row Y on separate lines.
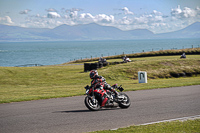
column 158, row 16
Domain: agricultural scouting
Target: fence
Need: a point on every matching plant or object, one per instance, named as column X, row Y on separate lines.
column 131, row 52
column 29, row 65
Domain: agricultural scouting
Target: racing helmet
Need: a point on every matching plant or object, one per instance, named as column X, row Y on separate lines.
column 93, row 73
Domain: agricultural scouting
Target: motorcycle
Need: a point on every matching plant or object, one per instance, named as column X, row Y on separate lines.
column 126, row 59
column 93, row 100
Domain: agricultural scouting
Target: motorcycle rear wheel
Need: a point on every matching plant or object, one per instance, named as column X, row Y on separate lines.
column 92, row 105
column 125, row 103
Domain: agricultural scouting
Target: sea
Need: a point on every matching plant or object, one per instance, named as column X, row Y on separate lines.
column 53, row 53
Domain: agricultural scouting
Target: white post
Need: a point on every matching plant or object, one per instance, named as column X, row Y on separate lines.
column 142, row 77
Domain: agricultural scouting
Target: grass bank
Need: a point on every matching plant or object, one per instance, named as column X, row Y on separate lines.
column 32, row 83
column 156, row 67
column 189, row 126
column 189, row 51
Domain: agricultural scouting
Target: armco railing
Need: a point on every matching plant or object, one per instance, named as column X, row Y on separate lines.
column 95, row 66
column 29, row 65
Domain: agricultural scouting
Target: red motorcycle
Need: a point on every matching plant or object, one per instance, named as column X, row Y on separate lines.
column 93, row 100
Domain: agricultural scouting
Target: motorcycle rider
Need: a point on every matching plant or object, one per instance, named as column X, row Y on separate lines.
column 98, row 82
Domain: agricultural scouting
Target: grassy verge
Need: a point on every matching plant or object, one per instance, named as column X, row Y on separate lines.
column 189, row 126
column 32, row 83
column 26, row 92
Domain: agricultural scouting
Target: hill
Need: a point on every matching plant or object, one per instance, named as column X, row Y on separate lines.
column 91, row 31
column 191, row 31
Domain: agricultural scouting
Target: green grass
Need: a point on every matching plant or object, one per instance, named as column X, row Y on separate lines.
column 189, row 126
column 160, row 67
column 32, row 83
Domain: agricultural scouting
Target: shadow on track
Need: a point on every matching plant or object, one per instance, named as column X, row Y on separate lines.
column 78, row 111
column 73, row 111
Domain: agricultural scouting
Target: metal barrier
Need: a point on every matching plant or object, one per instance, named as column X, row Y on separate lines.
column 29, row 65
column 95, row 66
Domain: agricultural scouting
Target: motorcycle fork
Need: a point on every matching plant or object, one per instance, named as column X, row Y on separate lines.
column 93, row 96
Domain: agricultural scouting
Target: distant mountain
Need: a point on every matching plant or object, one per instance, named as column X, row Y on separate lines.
column 86, row 32
column 15, row 33
column 191, row 31
column 89, row 32
column 95, row 32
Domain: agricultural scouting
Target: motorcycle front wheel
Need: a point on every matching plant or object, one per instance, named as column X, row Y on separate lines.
column 125, row 103
column 92, row 104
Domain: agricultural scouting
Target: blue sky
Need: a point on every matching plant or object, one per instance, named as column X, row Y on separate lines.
column 159, row 16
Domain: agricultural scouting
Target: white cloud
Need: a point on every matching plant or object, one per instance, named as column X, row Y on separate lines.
column 178, row 13
column 6, row 20
column 187, row 12
column 146, row 19
column 25, row 11
column 37, row 15
column 126, row 11
column 42, row 23
column 53, row 15
column 66, row 17
column 73, row 14
column 86, row 16
column 103, row 18
column 76, row 9
column 51, row 10
column 157, row 13
column 158, row 19
column 142, row 19
column 125, row 20
column 158, row 22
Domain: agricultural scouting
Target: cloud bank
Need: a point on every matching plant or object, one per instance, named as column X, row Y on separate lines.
column 124, row 19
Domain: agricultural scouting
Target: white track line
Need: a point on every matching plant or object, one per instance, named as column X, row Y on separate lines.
column 180, row 119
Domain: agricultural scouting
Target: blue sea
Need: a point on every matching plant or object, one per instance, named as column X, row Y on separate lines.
column 52, row 53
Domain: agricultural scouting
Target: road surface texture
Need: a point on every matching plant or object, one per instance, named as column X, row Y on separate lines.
column 69, row 115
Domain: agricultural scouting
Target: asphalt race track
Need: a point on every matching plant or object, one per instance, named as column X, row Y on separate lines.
column 69, row 115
